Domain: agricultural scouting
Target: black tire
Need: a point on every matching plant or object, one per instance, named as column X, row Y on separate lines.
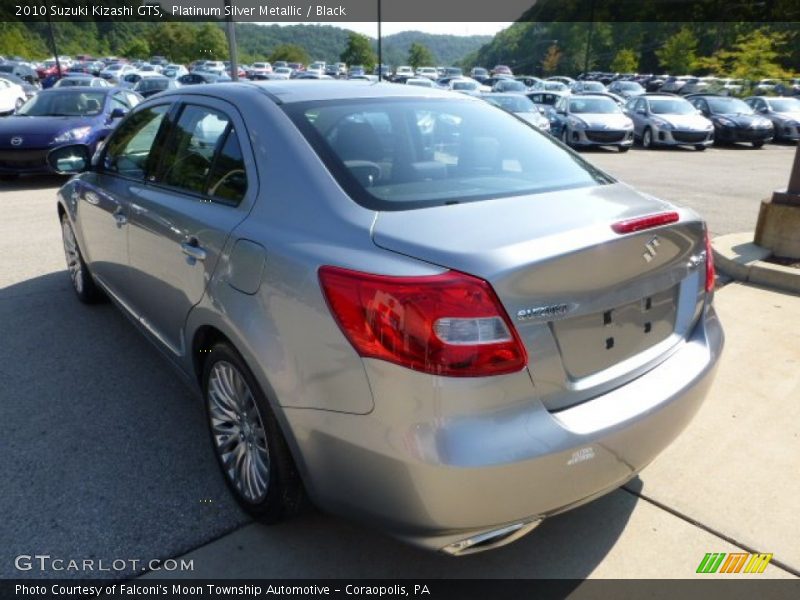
column 284, row 495
column 758, row 144
column 647, row 139
column 82, row 281
column 565, row 136
column 700, row 147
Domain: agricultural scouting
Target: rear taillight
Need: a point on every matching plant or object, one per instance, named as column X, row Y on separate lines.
column 648, row 222
column 710, row 270
column 450, row 324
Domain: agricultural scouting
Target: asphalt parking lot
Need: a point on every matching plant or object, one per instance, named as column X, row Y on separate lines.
column 106, row 453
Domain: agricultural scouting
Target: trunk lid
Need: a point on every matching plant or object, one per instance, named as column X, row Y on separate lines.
column 593, row 308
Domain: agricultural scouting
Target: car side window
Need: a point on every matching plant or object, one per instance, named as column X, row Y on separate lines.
column 199, row 144
column 118, row 101
column 132, row 99
column 128, row 151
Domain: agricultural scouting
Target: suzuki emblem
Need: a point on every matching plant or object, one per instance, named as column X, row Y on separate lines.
column 651, row 249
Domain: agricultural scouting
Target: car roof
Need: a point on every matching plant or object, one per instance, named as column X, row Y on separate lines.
column 291, row 91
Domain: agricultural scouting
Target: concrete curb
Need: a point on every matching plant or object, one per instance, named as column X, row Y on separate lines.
column 737, row 256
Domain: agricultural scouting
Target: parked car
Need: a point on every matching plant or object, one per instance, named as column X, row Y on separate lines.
column 783, row 112
column 150, row 86
column 765, row 86
column 528, row 342
column 24, row 72
column 28, row 89
column 626, row 89
column 75, row 80
column 427, row 72
column 59, row 117
column 479, row 74
column 673, row 84
column 260, row 68
column 12, row 96
column 116, row 71
column 667, row 120
column 591, row 87
column 501, row 70
column 551, row 86
column 568, row 81
column 466, row 85
column 509, row 85
column 522, row 107
column 199, row 77
column 545, row 100
column 529, row 81
column 420, row 82
column 734, row 121
column 174, row 71
column 592, row 120
column 357, row 71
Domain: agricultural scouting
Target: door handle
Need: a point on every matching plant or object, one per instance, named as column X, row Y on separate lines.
column 120, row 217
column 192, row 249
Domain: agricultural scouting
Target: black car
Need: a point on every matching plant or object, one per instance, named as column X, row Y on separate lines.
column 195, row 78
column 734, row 121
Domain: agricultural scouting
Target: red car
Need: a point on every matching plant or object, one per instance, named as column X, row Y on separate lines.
column 501, row 70
column 49, row 68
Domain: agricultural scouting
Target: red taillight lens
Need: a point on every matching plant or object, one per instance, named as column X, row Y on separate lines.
column 648, row 222
column 710, row 270
column 450, row 324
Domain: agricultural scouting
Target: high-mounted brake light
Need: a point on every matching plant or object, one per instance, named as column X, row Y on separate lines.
column 710, row 270
column 648, row 222
column 450, row 324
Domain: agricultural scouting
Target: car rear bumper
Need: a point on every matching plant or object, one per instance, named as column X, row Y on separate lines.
column 440, row 460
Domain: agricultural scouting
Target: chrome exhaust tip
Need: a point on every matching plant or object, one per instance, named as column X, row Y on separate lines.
column 491, row 539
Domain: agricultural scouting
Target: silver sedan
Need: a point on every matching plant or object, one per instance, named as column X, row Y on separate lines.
column 402, row 303
column 667, row 120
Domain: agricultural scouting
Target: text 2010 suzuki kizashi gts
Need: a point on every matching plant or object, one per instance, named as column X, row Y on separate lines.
column 412, row 307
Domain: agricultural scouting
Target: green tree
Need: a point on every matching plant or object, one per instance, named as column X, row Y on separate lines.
column 290, row 53
column 551, row 60
column 137, row 48
column 754, row 56
column 210, row 42
column 679, row 53
column 358, row 51
column 420, row 56
column 173, row 40
column 626, row 61
column 15, row 40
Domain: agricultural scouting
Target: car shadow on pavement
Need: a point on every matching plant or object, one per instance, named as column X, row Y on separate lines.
column 107, row 456
column 33, row 182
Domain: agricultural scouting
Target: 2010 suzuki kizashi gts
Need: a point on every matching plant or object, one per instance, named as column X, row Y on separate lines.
column 408, row 305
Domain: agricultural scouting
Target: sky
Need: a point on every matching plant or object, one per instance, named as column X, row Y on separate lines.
column 371, row 28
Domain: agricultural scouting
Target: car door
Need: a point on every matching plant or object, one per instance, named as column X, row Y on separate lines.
column 104, row 197
column 639, row 116
column 181, row 221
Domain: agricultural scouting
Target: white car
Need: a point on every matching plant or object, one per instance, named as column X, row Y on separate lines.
column 116, row 71
column 261, row 68
column 174, row 71
column 404, row 71
column 280, row 73
column 12, row 96
column 429, row 72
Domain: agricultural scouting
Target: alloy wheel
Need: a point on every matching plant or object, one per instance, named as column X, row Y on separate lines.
column 72, row 255
column 238, row 432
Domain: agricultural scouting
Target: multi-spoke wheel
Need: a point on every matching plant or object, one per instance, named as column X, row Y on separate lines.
column 247, row 440
column 82, row 281
column 238, row 432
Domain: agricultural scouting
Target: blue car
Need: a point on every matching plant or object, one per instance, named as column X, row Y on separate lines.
column 57, row 117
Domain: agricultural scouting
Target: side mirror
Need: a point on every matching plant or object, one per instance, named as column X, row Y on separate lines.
column 118, row 113
column 70, row 160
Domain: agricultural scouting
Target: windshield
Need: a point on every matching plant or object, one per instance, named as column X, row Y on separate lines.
column 593, row 106
column 399, row 154
column 511, row 85
column 593, row 86
column 73, row 81
column 148, row 85
column 728, row 106
column 671, row 106
column 517, row 104
column 465, row 85
column 555, row 86
column 64, row 104
column 630, row 86
column 784, row 104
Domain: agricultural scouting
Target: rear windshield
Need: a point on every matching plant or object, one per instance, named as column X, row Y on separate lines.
column 400, row 154
column 671, row 106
